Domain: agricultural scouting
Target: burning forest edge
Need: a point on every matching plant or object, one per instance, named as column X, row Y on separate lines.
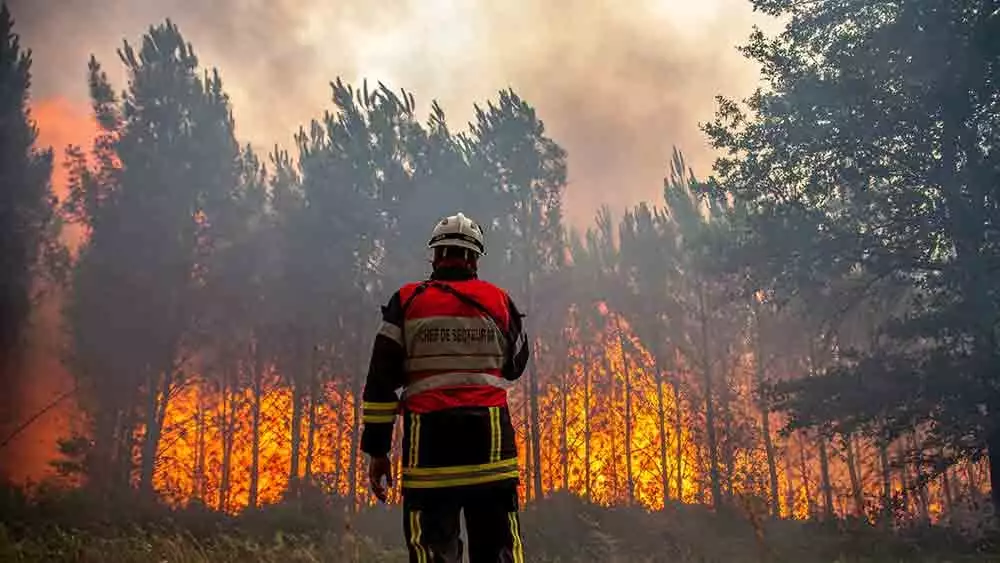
column 779, row 345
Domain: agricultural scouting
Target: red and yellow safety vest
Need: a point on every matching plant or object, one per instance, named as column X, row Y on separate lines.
column 453, row 347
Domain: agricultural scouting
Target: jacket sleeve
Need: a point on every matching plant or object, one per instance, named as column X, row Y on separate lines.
column 385, row 376
column 519, row 349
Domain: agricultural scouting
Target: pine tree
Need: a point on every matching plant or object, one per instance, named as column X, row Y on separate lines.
column 28, row 223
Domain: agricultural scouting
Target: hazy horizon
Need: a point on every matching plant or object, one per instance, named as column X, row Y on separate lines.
column 617, row 88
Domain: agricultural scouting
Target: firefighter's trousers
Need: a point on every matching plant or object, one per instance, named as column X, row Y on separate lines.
column 431, row 524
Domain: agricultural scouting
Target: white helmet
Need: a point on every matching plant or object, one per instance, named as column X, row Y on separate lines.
column 458, row 230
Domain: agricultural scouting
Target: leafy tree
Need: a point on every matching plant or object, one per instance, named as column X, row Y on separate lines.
column 870, row 167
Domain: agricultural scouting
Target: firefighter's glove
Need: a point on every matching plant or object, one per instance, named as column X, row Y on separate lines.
column 380, row 468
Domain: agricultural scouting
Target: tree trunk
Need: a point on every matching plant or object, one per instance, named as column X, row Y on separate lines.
column 972, row 479
column 124, row 441
column 529, row 458
column 612, row 429
column 920, row 484
column 536, row 425
column 314, row 400
column 586, row 422
column 199, row 464
column 883, row 455
column 949, row 499
column 857, row 492
column 296, row 436
column 338, row 451
column 904, row 475
column 824, row 470
column 628, row 416
column 728, row 456
column 258, row 391
column 706, row 363
column 158, row 396
column 661, row 421
column 228, row 419
column 564, row 420
column 804, row 472
column 679, row 432
column 765, row 414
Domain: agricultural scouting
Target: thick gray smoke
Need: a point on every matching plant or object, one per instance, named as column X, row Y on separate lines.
column 616, row 86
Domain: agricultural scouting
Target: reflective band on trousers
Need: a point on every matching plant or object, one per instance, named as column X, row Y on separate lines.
column 457, row 379
column 376, row 413
column 454, row 476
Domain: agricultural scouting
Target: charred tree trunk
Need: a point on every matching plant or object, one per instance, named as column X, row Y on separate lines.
column 678, row 432
column 949, row 498
column 296, row 436
column 338, row 452
column 920, row 484
column 199, row 466
column 628, row 417
column 586, row 422
column 857, row 492
column 158, row 396
column 314, row 399
column 824, row 471
column 610, row 413
column 883, row 455
column 228, row 420
column 728, row 456
column 904, row 476
column 972, row 480
column 535, row 426
column 310, row 437
column 661, row 420
column 564, row 421
column 124, row 443
column 257, row 386
column 804, row 472
column 710, row 431
column 765, row 413
column 529, row 458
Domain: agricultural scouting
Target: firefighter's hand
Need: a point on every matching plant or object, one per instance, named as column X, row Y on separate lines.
column 380, row 468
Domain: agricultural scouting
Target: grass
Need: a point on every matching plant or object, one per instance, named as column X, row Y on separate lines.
column 561, row 529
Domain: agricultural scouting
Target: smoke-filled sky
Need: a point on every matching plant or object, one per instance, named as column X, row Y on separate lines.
column 617, row 86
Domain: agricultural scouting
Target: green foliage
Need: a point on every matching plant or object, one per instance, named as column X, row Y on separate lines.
column 868, row 167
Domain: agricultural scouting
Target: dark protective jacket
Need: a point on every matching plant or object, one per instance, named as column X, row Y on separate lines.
column 453, row 344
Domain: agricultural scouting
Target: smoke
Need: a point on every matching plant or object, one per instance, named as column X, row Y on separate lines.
column 616, row 86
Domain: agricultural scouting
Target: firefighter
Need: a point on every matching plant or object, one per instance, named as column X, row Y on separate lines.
column 453, row 344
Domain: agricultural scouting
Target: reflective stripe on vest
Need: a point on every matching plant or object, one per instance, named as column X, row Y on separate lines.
column 455, row 379
column 453, row 343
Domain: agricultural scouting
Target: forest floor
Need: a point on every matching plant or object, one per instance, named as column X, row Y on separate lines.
column 562, row 529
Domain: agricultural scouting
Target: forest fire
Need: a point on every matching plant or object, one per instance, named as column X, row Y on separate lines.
column 219, row 313
column 210, row 441
column 611, row 429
